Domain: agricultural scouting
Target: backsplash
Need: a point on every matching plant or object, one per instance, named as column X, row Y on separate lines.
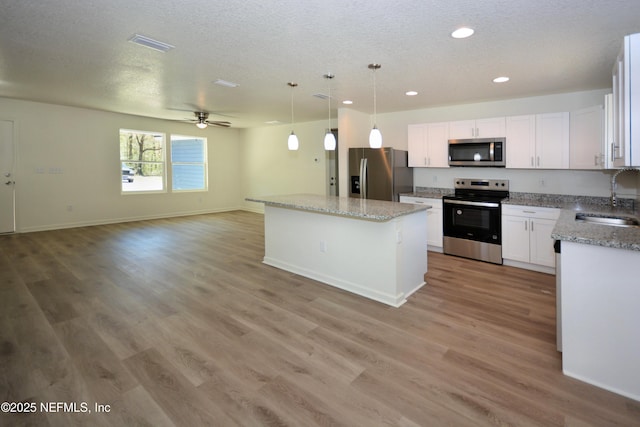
column 544, row 199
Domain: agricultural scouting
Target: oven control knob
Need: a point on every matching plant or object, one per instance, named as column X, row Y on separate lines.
column 459, row 212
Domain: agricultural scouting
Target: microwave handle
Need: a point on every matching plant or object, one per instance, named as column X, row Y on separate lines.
column 492, row 151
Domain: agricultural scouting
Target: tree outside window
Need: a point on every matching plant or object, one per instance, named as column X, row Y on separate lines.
column 142, row 158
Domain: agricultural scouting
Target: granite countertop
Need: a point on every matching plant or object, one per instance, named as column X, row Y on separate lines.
column 430, row 193
column 568, row 229
column 373, row 210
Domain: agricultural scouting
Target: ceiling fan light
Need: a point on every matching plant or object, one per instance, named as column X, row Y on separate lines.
column 201, row 125
column 329, row 141
column 292, row 142
column 375, row 138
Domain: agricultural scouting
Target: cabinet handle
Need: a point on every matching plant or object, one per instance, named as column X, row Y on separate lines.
column 529, row 212
column 538, row 161
column 531, row 225
column 425, row 161
column 525, row 225
column 615, row 148
column 595, row 160
column 531, row 160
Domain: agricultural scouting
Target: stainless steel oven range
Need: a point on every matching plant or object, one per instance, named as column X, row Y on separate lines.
column 472, row 219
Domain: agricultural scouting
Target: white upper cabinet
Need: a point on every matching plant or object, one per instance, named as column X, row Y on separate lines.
column 552, row 141
column 417, row 146
column 626, row 93
column 428, row 145
column 538, row 141
column 586, row 142
column 480, row 128
column 521, row 141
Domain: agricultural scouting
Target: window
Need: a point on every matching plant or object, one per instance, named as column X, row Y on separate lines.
column 188, row 163
column 142, row 158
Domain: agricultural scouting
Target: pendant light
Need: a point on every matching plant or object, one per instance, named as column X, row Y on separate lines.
column 375, row 137
column 329, row 137
column 292, row 142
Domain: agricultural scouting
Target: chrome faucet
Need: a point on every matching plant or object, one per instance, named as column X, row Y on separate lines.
column 614, row 200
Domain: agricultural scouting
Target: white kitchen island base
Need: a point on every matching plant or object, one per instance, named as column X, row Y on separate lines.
column 384, row 260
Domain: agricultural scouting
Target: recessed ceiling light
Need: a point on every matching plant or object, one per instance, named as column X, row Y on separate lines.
column 150, row 43
column 411, row 93
column 462, row 33
column 225, row 83
column 273, row 122
column 501, row 79
column 347, row 102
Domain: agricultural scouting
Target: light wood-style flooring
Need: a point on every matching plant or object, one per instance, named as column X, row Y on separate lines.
column 176, row 322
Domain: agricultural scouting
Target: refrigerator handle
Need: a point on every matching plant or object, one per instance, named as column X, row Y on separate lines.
column 363, row 178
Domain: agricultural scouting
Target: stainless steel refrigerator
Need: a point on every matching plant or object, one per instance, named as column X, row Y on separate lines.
column 379, row 173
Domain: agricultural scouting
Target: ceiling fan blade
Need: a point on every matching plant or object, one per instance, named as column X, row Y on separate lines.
column 217, row 123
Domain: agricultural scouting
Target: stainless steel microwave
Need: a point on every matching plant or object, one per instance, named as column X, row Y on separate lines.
column 477, row 152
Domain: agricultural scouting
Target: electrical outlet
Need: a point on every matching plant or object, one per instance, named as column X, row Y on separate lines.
column 323, row 246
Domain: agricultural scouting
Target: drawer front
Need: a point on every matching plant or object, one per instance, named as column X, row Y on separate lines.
column 531, row 211
column 435, row 203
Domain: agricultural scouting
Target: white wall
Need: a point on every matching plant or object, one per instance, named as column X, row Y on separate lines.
column 84, row 145
column 269, row 168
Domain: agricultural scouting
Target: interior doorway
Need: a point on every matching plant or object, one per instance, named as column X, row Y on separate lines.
column 332, row 168
column 7, row 188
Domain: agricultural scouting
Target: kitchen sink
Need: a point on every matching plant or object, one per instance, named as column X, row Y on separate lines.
column 616, row 220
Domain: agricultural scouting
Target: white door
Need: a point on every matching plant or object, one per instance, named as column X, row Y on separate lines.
column 7, row 199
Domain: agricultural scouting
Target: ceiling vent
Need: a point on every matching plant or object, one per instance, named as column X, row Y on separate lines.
column 150, row 43
column 225, row 83
column 321, row 95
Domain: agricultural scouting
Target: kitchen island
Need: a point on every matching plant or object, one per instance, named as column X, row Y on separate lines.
column 372, row 248
column 600, row 301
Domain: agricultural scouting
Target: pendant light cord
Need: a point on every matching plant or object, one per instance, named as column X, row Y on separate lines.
column 375, row 99
column 292, row 85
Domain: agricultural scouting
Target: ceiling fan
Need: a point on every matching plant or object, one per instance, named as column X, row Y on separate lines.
column 202, row 122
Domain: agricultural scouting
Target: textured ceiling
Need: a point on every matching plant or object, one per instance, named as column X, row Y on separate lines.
column 75, row 52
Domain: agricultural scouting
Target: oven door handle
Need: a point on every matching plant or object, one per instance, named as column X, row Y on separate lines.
column 468, row 203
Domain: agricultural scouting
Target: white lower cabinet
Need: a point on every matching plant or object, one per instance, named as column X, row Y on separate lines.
column 434, row 220
column 526, row 237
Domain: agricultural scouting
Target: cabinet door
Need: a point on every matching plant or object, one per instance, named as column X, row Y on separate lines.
column 490, row 128
column 434, row 227
column 521, row 141
column 462, row 129
column 437, row 142
column 515, row 238
column 417, row 146
column 541, row 244
column 618, row 149
column 552, row 141
column 608, row 131
column 586, row 139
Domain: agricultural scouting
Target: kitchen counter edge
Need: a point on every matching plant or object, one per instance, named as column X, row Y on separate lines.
column 366, row 209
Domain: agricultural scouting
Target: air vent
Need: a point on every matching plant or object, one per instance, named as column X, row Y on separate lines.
column 321, row 95
column 225, row 83
column 150, row 43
